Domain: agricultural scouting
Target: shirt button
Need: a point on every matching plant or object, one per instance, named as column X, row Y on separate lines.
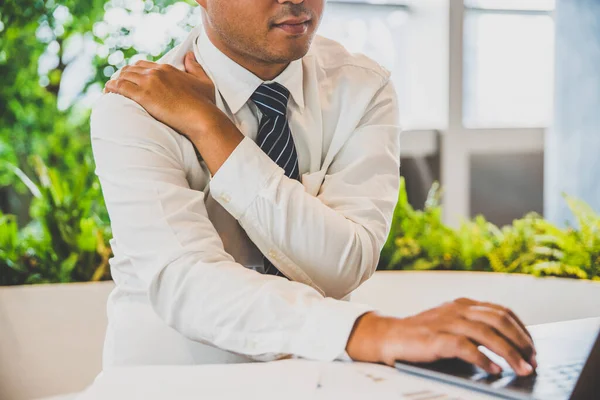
column 225, row 198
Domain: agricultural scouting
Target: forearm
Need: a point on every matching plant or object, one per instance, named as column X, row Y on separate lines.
column 215, row 137
column 249, row 313
column 330, row 242
column 302, row 235
column 343, row 253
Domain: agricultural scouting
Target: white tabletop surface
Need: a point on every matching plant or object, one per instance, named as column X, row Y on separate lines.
column 535, row 300
column 287, row 379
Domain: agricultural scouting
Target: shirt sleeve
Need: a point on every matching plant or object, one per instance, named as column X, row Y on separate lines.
column 332, row 241
column 161, row 225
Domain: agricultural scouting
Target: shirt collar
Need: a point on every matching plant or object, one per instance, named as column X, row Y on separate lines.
column 235, row 83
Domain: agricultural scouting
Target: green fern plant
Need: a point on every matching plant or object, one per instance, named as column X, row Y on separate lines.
column 11, row 270
column 67, row 238
column 419, row 240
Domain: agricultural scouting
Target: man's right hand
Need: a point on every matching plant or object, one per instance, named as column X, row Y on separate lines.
column 453, row 330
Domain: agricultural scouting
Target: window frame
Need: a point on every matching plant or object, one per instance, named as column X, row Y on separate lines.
column 458, row 143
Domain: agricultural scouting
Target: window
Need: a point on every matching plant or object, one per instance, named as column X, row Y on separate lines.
column 480, row 73
column 508, row 63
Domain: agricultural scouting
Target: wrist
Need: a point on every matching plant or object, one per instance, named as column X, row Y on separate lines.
column 215, row 137
column 367, row 337
column 202, row 124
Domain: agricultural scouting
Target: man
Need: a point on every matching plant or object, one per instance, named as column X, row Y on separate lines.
column 250, row 176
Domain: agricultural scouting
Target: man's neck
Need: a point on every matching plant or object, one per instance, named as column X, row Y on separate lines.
column 264, row 71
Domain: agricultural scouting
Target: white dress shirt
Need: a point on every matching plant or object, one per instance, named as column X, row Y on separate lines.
column 188, row 246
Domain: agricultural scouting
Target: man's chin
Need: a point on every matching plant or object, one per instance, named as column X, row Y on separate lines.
column 290, row 53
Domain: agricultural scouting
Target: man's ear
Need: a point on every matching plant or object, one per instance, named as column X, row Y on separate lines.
column 201, row 3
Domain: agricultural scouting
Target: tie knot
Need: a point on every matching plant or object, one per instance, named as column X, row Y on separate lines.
column 271, row 99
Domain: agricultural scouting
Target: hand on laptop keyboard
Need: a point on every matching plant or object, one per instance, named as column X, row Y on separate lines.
column 452, row 330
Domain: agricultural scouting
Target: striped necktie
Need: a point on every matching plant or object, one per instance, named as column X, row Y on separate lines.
column 274, row 136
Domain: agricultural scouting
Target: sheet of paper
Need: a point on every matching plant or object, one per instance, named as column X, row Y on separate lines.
column 355, row 381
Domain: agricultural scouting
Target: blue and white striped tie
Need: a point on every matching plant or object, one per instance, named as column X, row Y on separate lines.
column 274, row 136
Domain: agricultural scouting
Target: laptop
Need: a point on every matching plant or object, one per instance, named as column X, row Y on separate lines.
column 568, row 355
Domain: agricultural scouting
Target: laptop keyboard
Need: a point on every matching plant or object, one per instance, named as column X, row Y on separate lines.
column 563, row 377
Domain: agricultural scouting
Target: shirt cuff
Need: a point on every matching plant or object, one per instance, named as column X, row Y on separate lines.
column 242, row 176
column 327, row 329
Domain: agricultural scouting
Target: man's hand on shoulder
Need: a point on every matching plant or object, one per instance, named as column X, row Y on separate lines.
column 184, row 100
column 453, row 330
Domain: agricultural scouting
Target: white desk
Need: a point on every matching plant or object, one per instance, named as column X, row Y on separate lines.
column 397, row 293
